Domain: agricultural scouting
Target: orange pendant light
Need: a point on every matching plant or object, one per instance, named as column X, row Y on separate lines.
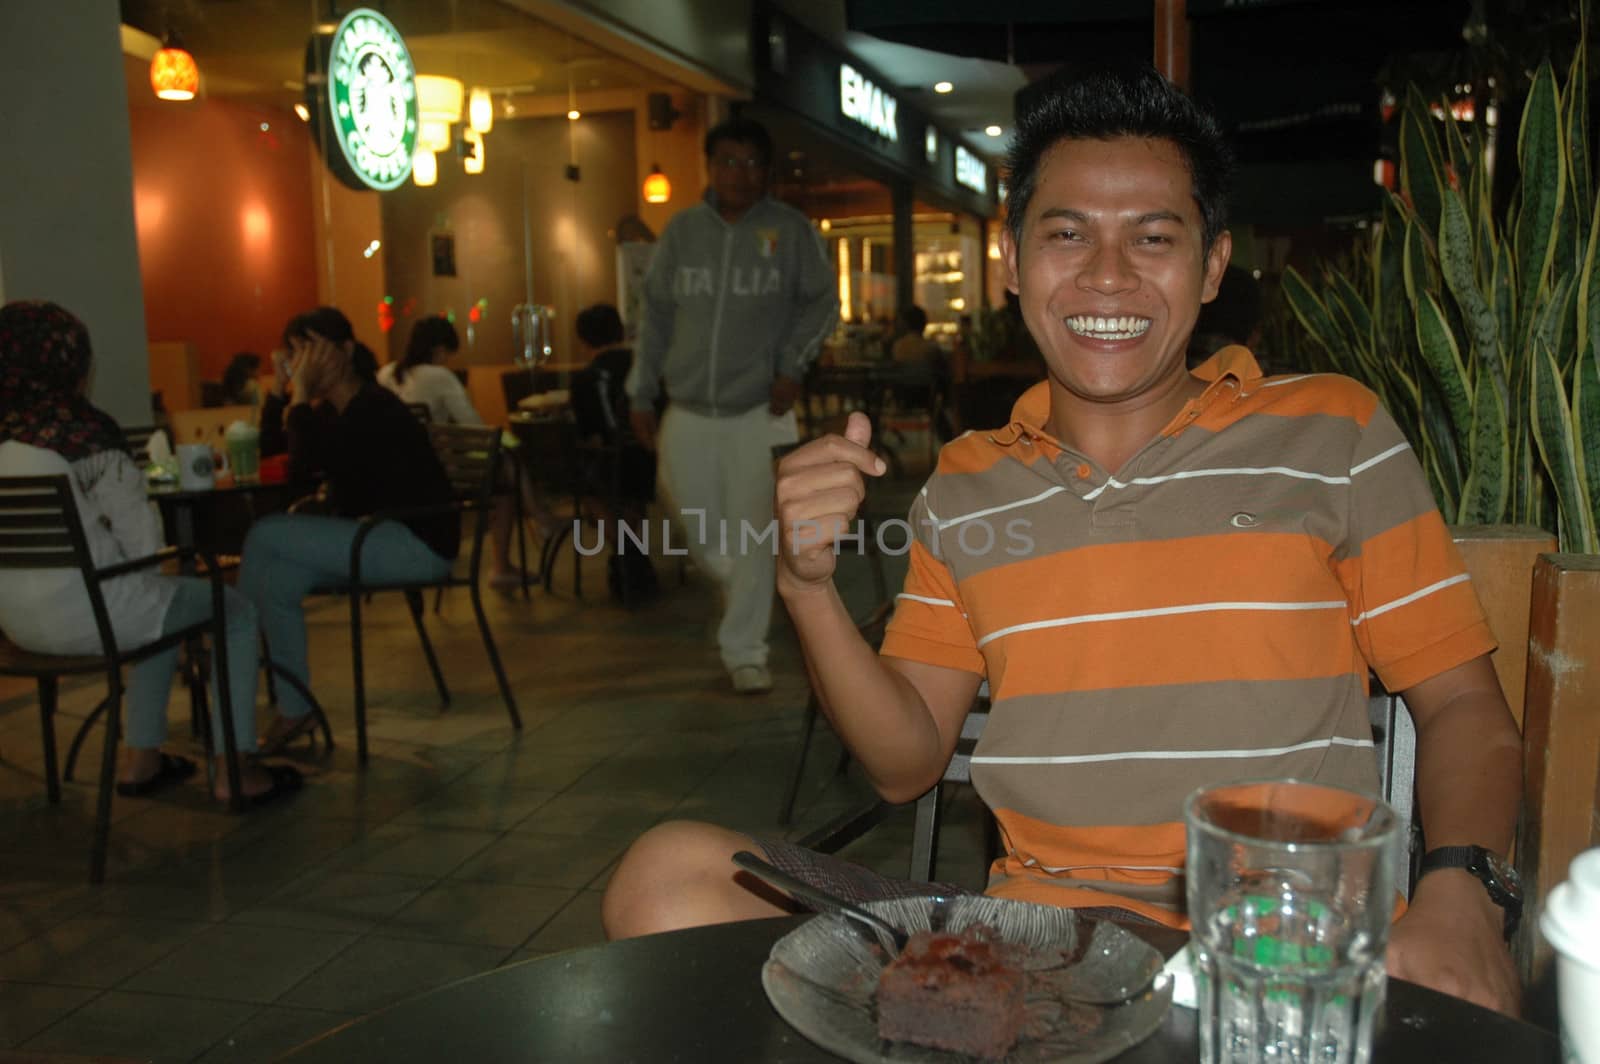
column 174, row 75
column 657, row 189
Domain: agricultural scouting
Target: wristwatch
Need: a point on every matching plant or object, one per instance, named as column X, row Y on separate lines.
column 1497, row 877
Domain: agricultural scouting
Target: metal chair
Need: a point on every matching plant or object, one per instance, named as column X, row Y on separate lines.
column 470, row 455
column 40, row 530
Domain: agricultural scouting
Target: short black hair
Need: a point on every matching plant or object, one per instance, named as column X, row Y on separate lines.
column 1119, row 100
column 914, row 318
column 741, row 131
column 600, row 326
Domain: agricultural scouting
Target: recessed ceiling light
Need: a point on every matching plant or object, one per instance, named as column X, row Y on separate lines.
column 304, row 112
column 574, row 114
column 993, row 131
column 943, row 87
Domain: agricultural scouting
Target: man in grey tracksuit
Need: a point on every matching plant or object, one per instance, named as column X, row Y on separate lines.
column 737, row 301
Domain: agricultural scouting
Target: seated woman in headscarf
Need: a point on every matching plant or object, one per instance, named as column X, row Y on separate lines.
column 341, row 429
column 48, row 428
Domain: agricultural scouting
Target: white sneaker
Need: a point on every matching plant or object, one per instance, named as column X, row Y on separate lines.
column 752, row 679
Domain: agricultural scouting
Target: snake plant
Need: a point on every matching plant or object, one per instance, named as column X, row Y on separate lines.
column 1481, row 332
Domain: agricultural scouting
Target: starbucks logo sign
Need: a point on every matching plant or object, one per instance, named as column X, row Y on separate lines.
column 372, row 99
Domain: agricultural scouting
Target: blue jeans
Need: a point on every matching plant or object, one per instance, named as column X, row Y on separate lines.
column 150, row 681
column 286, row 555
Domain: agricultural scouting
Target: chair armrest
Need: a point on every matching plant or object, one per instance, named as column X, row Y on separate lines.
column 165, row 554
column 366, row 525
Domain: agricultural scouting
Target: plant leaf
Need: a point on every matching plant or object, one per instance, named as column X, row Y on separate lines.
column 1577, row 125
column 1487, row 492
column 1312, row 314
column 1421, row 173
column 1586, row 428
column 1552, row 430
column 1544, row 183
column 1456, row 264
column 1442, row 356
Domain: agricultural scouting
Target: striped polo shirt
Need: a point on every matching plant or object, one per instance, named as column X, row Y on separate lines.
column 1208, row 613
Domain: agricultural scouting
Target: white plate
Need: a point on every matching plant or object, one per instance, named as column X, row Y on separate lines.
column 822, row 978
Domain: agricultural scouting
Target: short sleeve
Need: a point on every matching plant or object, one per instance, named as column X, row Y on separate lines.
column 930, row 623
column 1412, row 604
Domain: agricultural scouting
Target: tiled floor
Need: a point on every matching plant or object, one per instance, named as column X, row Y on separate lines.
column 461, row 847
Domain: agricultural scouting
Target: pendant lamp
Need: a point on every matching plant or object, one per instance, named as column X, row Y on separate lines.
column 173, row 73
column 657, row 189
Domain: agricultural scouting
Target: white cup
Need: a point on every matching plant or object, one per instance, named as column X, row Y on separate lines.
column 197, row 467
column 1571, row 923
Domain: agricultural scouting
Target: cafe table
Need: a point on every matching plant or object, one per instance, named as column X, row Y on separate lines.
column 179, row 505
column 696, row 996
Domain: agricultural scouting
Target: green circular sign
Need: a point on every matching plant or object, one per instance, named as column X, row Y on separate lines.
column 372, row 98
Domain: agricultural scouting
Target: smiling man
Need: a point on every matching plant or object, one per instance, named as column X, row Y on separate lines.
column 1169, row 579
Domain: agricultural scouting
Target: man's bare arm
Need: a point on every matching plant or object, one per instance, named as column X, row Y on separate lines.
column 1469, row 785
column 900, row 719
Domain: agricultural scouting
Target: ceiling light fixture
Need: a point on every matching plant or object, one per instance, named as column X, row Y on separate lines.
column 574, row 114
column 657, row 189
column 424, row 168
column 173, row 73
column 472, row 162
column 301, row 111
column 993, row 131
column 480, row 110
column 438, row 108
column 943, row 87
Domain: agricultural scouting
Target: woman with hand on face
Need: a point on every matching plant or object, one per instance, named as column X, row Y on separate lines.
column 49, row 428
column 342, row 429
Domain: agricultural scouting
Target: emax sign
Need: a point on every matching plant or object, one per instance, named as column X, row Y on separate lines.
column 971, row 171
column 864, row 102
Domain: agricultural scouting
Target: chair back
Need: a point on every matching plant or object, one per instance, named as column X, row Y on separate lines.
column 470, row 455
column 925, row 838
column 138, row 440
column 40, row 529
column 1394, row 735
column 548, row 449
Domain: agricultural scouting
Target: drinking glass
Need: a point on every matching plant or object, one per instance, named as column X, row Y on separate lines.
column 1291, row 888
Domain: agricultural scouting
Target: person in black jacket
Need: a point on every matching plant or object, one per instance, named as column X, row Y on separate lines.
column 623, row 478
column 343, row 430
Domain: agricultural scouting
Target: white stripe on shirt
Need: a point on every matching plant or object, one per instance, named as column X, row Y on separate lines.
column 1240, row 471
column 1163, row 611
column 923, row 598
column 1174, row 755
column 1377, row 611
column 1384, row 457
column 974, row 515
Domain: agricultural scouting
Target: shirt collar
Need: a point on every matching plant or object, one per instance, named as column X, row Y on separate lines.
column 1232, row 368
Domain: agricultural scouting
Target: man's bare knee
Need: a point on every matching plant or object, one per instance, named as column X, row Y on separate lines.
column 681, row 874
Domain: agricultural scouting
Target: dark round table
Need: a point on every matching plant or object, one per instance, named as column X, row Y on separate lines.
column 695, row 996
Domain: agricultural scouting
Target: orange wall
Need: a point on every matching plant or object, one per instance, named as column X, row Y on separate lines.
column 224, row 217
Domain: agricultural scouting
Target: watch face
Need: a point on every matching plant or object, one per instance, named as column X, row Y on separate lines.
column 1505, row 876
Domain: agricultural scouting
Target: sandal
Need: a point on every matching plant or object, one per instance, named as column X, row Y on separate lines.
column 174, row 769
column 286, row 779
column 273, row 745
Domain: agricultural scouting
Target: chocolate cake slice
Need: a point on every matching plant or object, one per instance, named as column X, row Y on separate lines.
column 960, row 992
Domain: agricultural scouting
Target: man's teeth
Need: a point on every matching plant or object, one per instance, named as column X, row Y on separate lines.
column 1108, row 328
